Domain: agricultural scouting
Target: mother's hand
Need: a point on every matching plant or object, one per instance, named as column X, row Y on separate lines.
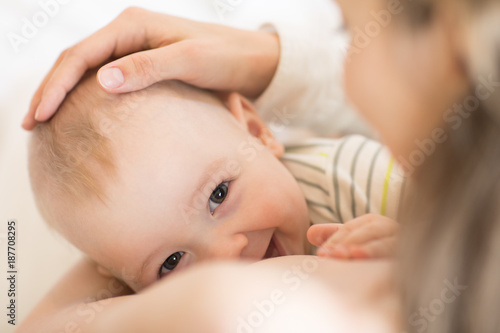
column 202, row 54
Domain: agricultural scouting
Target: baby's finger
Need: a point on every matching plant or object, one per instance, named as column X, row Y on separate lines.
column 333, row 251
column 319, row 233
column 376, row 249
column 335, row 243
column 362, row 220
column 347, row 228
column 370, row 232
column 340, row 236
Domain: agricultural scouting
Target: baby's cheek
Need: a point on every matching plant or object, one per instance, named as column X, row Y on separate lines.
column 276, row 200
column 287, row 207
column 267, row 211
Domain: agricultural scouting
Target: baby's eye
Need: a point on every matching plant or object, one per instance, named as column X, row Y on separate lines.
column 218, row 196
column 171, row 262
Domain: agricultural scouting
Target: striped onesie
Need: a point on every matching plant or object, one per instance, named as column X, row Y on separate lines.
column 345, row 178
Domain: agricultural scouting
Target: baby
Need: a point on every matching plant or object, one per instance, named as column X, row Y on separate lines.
column 151, row 182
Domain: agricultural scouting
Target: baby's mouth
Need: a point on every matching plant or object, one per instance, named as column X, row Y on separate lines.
column 274, row 249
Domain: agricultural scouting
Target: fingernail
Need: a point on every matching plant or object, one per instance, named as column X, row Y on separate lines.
column 111, row 78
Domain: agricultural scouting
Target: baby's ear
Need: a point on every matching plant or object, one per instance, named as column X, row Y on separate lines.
column 249, row 119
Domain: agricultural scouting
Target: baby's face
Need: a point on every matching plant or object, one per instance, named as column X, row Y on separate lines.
column 192, row 185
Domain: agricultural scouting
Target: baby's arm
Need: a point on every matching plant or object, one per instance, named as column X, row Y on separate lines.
column 75, row 300
column 368, row 236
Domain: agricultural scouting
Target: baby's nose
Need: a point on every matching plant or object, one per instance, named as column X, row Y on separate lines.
column 227, row 248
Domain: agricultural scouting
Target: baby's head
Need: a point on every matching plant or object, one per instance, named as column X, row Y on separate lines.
column 164, row 178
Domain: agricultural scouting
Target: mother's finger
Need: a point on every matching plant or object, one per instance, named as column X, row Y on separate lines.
column 122, row 36
column 29, row 121
column 142, row 69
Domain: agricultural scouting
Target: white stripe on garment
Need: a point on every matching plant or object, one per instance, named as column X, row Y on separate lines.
column 345, row 178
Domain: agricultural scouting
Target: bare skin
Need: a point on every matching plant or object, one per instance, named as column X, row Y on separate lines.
column 337, row 289
column 228, row 296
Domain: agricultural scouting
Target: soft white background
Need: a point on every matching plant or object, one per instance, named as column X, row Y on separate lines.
column 43, row 256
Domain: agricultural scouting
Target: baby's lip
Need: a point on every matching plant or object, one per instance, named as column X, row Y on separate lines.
column 274, row 249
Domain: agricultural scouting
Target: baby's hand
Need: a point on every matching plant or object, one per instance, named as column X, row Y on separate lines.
column 368, row 236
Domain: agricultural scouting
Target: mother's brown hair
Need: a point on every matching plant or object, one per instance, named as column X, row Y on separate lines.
column 450, row 253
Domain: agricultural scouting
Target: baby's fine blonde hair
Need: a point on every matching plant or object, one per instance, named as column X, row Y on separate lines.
column 70, row 153
column 72, row 156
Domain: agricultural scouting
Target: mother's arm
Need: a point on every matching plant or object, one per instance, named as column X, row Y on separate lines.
column 297, row 293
